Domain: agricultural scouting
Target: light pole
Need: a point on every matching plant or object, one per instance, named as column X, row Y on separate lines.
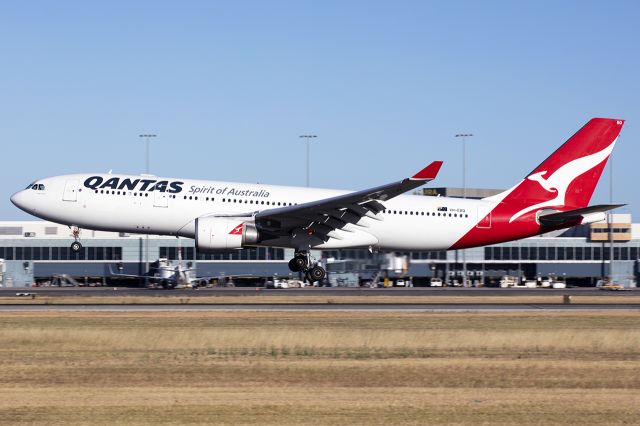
column 308, row 139
column 464, row 137
column 147, row 137
column 610, row 219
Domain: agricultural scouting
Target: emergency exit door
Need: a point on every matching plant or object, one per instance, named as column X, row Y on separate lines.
column 484, row 218
column 70, row 191
column 160, row 199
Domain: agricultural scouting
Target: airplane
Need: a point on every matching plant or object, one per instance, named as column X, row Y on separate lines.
column 228, row 215
column 167, row 275
column 170, row 276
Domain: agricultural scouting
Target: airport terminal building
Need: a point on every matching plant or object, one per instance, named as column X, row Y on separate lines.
column 36, row 251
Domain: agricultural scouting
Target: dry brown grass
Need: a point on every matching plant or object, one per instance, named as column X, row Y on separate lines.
column 319, row 368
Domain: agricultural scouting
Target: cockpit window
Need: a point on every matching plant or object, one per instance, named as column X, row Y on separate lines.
column 40, row 187
column 34, row 186
column 29, row 186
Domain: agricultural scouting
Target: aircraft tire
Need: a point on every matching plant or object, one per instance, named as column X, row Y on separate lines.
column 76, row 247
column 297, row 264
column 317, row 274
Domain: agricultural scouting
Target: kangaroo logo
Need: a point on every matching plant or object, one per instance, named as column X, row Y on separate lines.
column 559, row 181
column 237, row 230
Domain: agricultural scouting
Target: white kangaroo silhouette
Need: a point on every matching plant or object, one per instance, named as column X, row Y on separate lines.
column 560, row 180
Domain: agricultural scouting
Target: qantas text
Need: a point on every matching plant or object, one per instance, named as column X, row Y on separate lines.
column 98, row 182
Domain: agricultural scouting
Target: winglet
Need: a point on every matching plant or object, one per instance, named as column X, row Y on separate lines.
column 428, row 173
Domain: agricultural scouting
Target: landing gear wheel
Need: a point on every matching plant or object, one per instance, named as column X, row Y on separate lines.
column 76, row 247
column 293, row 266
column 298, row 263
column 316, row 274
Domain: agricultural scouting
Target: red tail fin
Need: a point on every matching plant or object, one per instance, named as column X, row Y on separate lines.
column 569, row 176
column 563, row 182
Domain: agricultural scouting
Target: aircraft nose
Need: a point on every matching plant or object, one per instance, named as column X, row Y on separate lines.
column 18, row 199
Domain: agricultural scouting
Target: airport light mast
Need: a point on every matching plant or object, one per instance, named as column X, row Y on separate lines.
column 308, row 138
column 464, row 137
column 610, row 219
column 147, row 137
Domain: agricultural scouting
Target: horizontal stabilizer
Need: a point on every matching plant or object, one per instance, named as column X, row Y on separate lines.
column 561, row 218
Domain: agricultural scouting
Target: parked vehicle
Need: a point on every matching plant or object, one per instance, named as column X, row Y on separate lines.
column 435, row 282
column 508, row 281
column 553, row 282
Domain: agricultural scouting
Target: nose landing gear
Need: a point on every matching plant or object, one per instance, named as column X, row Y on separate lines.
column 76, row 246
column 302, row 262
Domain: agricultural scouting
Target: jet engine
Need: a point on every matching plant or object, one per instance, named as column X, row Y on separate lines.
column 225, row 233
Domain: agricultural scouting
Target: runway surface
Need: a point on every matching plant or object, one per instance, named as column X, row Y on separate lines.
column 450, row 307
column 302, row 292
column 335, row 305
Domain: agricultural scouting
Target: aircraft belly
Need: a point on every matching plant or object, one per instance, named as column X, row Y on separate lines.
column 420, row 233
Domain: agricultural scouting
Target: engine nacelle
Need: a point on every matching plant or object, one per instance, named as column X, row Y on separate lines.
column 224, row 233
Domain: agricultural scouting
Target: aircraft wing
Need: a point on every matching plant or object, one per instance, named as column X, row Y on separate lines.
column 319, row 218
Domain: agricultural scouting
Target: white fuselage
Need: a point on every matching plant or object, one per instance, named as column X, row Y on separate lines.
column 409, row 222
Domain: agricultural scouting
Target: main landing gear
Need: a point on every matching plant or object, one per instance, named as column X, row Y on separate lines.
column 76, row 246
column 302, row 263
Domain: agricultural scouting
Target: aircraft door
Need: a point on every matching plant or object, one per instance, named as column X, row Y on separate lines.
column 484, row 217
column 70, row 191
column 160, row 199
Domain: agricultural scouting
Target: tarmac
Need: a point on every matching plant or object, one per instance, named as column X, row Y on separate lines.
column 308, row 291
column 336, row 305
column 351, row 307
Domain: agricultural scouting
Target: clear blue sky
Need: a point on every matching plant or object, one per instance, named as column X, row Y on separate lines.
column 229, row 86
